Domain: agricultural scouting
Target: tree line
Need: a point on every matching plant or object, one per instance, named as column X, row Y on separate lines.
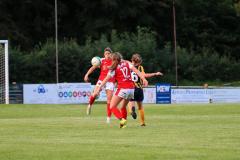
column 208, row 37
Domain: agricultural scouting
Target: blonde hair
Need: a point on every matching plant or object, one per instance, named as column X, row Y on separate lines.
column 136, row 58
column 116, row 59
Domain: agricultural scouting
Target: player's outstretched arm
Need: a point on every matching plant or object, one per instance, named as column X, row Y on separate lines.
column 89, row 72
column 149, row 75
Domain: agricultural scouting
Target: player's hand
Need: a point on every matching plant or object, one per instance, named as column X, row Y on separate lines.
column 159, row 74
column 86, row 78
column 145, row 83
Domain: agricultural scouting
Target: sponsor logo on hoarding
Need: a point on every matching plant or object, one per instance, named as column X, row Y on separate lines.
column 69, row 94
column 163, row 88
column 40, row 89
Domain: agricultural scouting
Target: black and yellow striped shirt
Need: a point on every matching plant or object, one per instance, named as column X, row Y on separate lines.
column 137, row 80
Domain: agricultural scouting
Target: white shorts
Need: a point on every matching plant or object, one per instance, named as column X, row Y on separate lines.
column 107, row 86
column 125, row 93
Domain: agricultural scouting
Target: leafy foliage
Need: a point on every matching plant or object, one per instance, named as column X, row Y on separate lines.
column 74, row 60
column 208, row 36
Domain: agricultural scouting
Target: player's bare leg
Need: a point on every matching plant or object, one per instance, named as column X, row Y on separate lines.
column 91, row 101
column 109, row 94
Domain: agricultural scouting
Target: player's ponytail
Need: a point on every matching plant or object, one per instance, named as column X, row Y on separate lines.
column 116, row 59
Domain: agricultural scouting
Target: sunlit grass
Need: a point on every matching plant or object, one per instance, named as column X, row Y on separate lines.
column 64, row 132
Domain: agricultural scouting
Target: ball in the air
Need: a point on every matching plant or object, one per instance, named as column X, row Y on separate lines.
column 96, row 61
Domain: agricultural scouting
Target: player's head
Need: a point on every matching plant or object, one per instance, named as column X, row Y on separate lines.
column 107, row 53
column 116, row 59
column 136, row 59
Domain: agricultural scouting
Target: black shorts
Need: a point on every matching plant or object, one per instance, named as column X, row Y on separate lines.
column 138, row 95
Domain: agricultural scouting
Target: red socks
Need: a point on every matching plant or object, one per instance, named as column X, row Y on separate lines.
column 124, row 112
column 109, row 113
column 91, row 100
column 116, row 112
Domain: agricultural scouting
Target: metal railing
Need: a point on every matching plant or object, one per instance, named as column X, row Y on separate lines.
column 16, row 94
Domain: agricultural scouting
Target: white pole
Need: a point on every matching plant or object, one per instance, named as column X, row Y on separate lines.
column 5, row 42
column 6, row 68
column 6, row 73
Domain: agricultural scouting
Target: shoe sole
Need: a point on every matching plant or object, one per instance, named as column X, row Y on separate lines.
column 134, row 115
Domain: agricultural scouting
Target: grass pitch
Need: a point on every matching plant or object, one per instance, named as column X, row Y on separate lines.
column 173, row 132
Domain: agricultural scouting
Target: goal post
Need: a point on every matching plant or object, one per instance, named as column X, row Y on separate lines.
column 4, row 72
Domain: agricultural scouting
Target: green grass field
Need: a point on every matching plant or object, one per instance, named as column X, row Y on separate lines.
column 173, row 132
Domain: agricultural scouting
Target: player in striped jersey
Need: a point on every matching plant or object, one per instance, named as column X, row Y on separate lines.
column 138, row 92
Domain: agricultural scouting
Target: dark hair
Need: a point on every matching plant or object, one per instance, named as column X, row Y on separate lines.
column 136, row 58
column 108, row 49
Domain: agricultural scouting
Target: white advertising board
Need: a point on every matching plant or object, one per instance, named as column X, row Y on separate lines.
column 70, row 93
column 40, row 94
column 75, row 93
column 225, row 95
column 62, row 93
column 205, row 96
column 189, row 96
column 149, row 95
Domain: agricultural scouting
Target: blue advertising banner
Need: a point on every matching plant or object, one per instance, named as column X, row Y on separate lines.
column 163, row 93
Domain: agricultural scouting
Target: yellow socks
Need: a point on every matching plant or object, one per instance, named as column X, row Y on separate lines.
column 141, row 113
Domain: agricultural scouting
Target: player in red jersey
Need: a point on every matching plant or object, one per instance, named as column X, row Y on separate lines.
column 121, row 70
column 109, row 86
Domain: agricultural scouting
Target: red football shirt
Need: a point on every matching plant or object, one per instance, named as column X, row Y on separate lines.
column 105, row 63
column 122, row 75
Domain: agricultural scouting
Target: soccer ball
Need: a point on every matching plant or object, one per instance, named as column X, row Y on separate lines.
column 96, row 61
